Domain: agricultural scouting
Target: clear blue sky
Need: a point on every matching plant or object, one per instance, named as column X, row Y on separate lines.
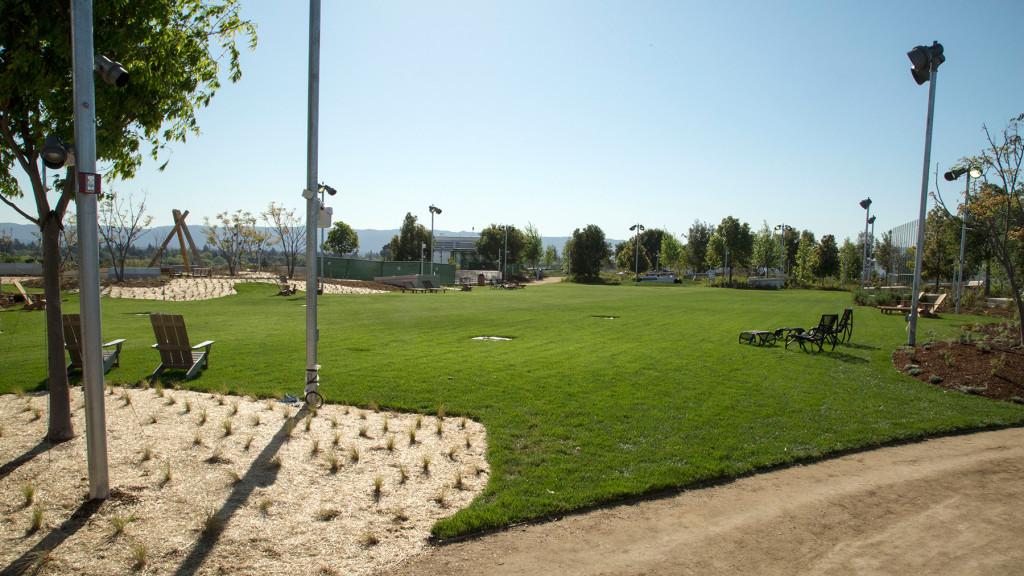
column 568, row 113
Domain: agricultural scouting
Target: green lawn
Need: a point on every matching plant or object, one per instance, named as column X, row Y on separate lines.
column 580, row 410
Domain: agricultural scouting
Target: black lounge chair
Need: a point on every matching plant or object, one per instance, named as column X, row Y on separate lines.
column 818, row 336
column 844, row 329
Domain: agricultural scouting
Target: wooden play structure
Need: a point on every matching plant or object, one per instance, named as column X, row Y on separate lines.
column 181, row 229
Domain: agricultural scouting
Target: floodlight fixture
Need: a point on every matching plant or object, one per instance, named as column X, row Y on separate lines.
column 329, row 189
column 113, row 73
column 924, row 60
column 434, row 209
column 56, row 154
column 871, row 220
column 956, row 173
column 865, row 203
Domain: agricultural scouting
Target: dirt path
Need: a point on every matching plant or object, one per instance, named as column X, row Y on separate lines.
column 945, row 506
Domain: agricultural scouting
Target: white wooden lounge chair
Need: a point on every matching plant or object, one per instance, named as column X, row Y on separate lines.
column 175, row 351
column 73, row 344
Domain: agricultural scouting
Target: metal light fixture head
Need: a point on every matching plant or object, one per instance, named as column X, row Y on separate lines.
column 865, row 203
column 435, row 209
column 924, row 59
column 955, row 173
column 112, row 72
column 329, row 189
column 871, row 220
column 54, row 152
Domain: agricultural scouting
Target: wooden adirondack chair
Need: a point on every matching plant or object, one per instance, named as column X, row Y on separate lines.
column 73, row 344
column 175, row 351
column 38, row 304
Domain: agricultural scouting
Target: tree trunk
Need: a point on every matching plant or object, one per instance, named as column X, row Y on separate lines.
column 60, row 428
column 988, row 276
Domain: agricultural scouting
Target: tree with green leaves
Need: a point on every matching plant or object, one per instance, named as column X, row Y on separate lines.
column 941, row 246
column 851, row 261
column 697, row 238
column 766, row 250
column 408, row 245
column 887, row 255
column 672, row 253
column 534, row 248
column 588, row 251
column 341, row 239
column 626, row 258
column 493, row 242
column 738, row 240
column 827, row 263
column 650, row 243
column 228, row 235
column 173, row 52
column 550, row 256
column 806, row 259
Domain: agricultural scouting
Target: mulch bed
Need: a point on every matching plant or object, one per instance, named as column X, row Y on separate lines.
column 986, row 360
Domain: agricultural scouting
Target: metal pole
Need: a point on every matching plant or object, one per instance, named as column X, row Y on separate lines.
column 504, row 266
column 636, row 270
column 915, row 297
column 88, row 249
column 782, row 250
column 312, row 151
column 963, row 239
column 431, row 242
column 864, row 272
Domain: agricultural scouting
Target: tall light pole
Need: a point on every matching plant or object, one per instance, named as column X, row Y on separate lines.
column 639, row 228
column 504, row 266
column 972, row 172
column 871, row 249
column 925, row 61
column 782, row 228
column 87, row 187
column 866, row 205
column 311, row 392
column 433, row 210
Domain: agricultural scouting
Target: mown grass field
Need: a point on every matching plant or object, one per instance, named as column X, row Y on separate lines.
column 580, row 409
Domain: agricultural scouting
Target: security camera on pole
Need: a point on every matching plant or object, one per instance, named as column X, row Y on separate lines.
column 925, row 61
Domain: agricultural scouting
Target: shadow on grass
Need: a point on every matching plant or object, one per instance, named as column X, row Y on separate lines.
column 55, row 538
column 259, row 475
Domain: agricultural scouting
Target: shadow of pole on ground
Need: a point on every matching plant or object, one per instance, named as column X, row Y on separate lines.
column 259, row 475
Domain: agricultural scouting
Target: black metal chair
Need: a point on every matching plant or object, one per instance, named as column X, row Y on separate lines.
column 818, row 336
column 844, row 329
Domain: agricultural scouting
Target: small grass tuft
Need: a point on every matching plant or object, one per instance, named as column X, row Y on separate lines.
column 385, row 425
column 419, row 421
column 265, row 505
column 36, row 414
column 469, row 442
column 412, row 436
column 327, row 514
column 202, row 416
column 289, row 428
column 217, row 457
column 212, row 524
column 165, row 474
column 36, row 562
column 308, row 423
column 169, row 400
column 28, row 494
column 126, row 398
column 35, row 519
column 275, row 463
column 118, row 523
column 389, row 444
column 425, row 464
column 227, row 425
column 451, row 453
column 188, row 406
column 440, row 428
column 248, row 442
column 403, row 473
column 333, row 461
column 459, row 485
column 314, row 449
column 255, row 420
column 336, row 438
column 374, row 407
column 334, row 421
column 147, row 454
column 441, row 497
column 462, row 423
column 363, row 433
column 159, row 390
column 378, row 487
column 353, row 454
column 369, row 539
column 440, row 412
column 234, row 408
column 233, row 478
column 139, row 559
column 197, row 440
